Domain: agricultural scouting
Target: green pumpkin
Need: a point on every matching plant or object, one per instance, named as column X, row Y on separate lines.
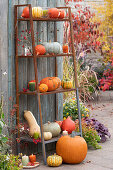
column 52, row 127
column 53, row 47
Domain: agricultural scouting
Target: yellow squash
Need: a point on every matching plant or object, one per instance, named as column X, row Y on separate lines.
column 37, row 12
column 33, row 126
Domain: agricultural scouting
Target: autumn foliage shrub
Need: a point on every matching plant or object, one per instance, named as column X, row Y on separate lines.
column 106, row 82
column 89, row 134
column 104, row 15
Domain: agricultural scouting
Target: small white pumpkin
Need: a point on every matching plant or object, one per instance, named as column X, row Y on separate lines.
column 47, row 135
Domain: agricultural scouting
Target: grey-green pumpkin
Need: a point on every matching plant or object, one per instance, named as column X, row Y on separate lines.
column 52, row 127
column 53, row 47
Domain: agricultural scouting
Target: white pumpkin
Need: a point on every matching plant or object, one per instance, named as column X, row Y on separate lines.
column 53, row 47
column 47, row 135
column 52, row 127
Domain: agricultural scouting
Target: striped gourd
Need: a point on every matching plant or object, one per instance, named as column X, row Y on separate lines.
column 66, row 84
column 54, row 160
column 37, row 12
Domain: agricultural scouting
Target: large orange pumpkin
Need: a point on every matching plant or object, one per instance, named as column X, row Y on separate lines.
column 53, row 13
column 51, row 82
column 72, row 150
column 59, row 81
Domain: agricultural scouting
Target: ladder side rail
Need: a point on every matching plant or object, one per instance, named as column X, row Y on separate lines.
column 36, row 79
column 16, row 66
column 17, row 75
column 56, row 71
column 75, row 69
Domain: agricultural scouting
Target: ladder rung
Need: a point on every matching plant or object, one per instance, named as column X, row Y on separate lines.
column 43, row 19
column 48, row 55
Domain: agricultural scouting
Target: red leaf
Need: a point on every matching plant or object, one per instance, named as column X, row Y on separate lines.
column 18, row 140
column 10, row 98
column 25, row 90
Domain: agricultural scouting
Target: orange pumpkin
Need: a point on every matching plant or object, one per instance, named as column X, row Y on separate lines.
column 51, row 82
column 25, row 12
column 53, row 13
column 43, row 88
column 40, row 50
column 59, row 81
column 62, row 13
column 72, row 150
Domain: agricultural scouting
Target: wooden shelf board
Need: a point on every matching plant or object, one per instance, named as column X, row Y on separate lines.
column 48, row 55
column 55, row 139
column 43, row 19
column 29, row 139
column 59, row 90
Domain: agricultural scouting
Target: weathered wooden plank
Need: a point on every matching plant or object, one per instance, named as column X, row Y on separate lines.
column 0, row 77
column 4, row 52
column 59, row 97
column 11, row 50
column 51, row 68
column 22, row 63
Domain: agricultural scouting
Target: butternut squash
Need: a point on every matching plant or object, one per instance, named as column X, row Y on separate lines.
column 47, row 135
column 33, row 126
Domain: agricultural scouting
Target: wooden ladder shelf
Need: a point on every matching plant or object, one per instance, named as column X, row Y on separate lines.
column 34, row 56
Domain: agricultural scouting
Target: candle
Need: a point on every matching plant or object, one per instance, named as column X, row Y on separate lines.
column 32, row 86
column 65, row 132
column 25, row 160
column 65, row 48
column 32, row 158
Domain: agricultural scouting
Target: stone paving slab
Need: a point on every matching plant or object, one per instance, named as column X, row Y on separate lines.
column 101, row 159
